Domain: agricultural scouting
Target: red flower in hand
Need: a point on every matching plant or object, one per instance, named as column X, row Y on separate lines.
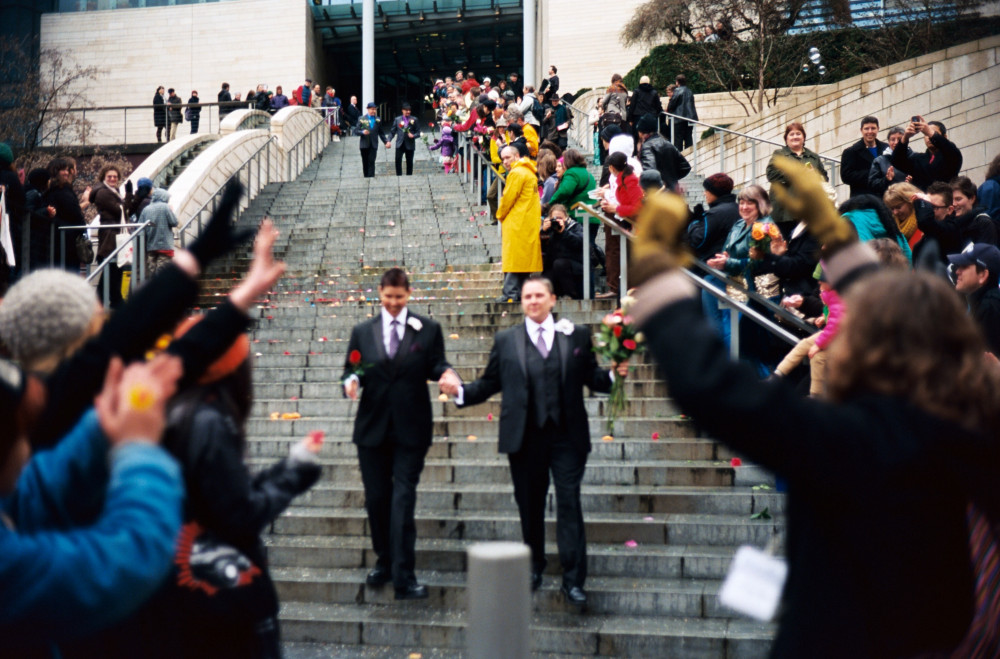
column 617, row 330
column 354, row 358
column 629, row 344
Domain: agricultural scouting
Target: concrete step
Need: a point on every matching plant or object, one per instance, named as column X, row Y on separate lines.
column 449, row 555
column 613, row 528
column 412, row 627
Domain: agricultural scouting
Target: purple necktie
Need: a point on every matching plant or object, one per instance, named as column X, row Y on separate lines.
column 393, row 339
column 540, row 344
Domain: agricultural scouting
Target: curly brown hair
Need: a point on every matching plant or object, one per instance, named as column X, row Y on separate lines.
column 908, row 336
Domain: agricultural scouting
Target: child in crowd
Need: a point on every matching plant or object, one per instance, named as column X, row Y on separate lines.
column 447, row 146
column 814, row 347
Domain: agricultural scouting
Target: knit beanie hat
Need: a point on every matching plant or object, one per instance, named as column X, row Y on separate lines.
column 609, row 132
column 44, row 313
column 6, row 155
column 646, row 124
column 237, row 353
column 718, row 184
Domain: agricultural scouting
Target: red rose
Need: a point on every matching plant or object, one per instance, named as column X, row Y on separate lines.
column 354, row 358
column 629, row 344
column 617, row 330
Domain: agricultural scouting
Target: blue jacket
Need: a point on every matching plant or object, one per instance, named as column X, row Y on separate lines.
column 91, row 543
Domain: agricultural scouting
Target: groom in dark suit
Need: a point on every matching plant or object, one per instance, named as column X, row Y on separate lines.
column 541, row 367
column 372, row 134
column 391, row 357
column 406, row 130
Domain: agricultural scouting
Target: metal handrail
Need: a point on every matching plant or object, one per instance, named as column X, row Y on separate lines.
column 672, row 118
column 735, row 306
column 309, row 135
column 582, row 127
column 777, row 309
column 136, row 234
column 182, row 232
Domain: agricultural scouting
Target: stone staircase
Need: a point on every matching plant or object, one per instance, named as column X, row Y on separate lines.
column 662, row 507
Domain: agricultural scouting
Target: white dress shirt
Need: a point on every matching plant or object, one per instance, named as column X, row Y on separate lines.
column 386, row 328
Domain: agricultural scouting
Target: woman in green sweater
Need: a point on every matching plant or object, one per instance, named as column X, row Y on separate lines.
column 573, row 187
column 795, row 147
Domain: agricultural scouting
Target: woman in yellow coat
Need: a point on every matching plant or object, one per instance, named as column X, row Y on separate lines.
column 520, row 213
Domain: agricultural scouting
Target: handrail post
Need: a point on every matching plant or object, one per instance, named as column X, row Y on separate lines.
column 753, row 161
column 734, row 333
column 106, row 285
column 52, row 245
column 722, row 152
column 623, row 261
column 672, row 129
column 694, row 155
column 586, row 260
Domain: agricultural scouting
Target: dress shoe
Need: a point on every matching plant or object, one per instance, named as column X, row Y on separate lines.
column 380, row 576
column 575, row 596
column 536, row 581
column 414, row 591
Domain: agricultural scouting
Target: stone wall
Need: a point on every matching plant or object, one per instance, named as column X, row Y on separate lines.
column 242, row 42
column 581, row 39
column 958, row 86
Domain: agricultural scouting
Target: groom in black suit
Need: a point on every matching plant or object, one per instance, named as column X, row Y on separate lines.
column 541, row 367
column 394, row 355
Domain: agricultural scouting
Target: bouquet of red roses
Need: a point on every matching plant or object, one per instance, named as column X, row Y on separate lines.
column 617, row 340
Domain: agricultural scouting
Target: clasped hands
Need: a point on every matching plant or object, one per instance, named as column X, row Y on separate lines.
column 449, row 383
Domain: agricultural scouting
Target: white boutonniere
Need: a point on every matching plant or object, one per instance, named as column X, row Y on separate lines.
column 564, row 326
column 414, row 323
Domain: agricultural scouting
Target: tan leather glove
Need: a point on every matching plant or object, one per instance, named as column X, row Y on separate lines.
column 658, row 244
column 805, row 198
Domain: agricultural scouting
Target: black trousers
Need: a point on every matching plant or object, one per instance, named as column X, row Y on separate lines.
column 399, row 162
column 195, row 120
column 114, row 274
column 368, row 161
column 683, row 131
column 566, row 276
column 390, row 474
column 543, row 450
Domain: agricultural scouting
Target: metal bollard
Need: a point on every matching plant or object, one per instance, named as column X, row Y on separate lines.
column 499, row 594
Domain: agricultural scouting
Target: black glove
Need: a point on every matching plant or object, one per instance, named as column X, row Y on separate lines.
column 218, row 236
column 128, row 187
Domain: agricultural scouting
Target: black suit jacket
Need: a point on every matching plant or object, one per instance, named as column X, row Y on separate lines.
column 398, row 132
column 856, row 163
column 376, row 136
column 507, row 371
column 396, row 389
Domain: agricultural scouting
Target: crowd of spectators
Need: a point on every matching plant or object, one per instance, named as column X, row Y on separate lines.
column 131, row 524
column 170, row 111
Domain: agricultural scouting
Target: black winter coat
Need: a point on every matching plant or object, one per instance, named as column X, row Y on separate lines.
column 795, row 270
column 68, row 213
column 659, row 154
column 856, row 164
column 985, row 307
column 645, row 100
column 159, row 111
column 175, row 103
column 955, row 232
column 926, row 168
column 707, row 234
column 871, row 548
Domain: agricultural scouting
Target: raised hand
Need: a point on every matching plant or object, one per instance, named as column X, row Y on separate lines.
column 218, row 236
column 131, row 405
column 264, row 270
column 806, row 199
